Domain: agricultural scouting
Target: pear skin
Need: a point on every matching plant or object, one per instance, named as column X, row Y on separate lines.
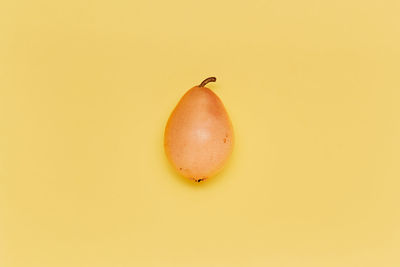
column 198, row 138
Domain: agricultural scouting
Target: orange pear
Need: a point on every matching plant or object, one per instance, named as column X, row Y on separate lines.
column 198, row 138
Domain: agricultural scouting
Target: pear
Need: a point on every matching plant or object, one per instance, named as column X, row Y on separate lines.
column 198, row 138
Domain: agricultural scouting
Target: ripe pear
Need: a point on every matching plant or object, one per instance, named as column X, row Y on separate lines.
column 198, row 138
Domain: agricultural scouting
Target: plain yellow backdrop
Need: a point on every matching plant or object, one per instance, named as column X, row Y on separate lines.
column 312, row 88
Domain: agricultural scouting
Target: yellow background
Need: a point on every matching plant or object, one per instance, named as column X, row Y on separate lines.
column 313, row 90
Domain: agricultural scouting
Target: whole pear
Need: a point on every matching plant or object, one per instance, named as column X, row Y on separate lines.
column 198, row 138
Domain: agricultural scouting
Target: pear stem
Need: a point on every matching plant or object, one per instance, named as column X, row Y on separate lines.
column 210, row 79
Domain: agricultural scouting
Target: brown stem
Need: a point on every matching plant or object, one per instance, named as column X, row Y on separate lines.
column 210, row 79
